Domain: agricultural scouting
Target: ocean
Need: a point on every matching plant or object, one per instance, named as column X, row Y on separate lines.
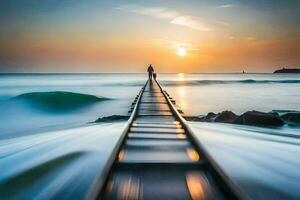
column 39, row 133
column 196, row 94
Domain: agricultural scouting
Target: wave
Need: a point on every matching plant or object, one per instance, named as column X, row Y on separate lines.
column 12, row 185
column 59, row 100
column 245, row 81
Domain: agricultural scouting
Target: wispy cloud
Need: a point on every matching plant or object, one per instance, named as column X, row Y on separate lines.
column 250, row 38
column 173, row 16
column 223, row 23
column 191, row 22
column 157, row 12
column 228, row 6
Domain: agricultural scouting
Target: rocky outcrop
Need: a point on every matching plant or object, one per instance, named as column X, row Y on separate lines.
column 292, row 118
column 210, row 117
column 112, row 118
column 194, row 118
column 257, row 118
column 226, row 117
column 254, row 118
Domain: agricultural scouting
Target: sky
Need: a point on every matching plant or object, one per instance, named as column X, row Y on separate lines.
column 125, row 36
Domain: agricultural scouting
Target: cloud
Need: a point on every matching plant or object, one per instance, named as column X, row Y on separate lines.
column 174, row 17
column 157, row 12
column 250, row 38
column 223, row 23
column 228, row 6
column 191, row 22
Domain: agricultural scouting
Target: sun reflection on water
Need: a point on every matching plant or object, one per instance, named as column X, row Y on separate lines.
column 182, row 98
column 180, row 76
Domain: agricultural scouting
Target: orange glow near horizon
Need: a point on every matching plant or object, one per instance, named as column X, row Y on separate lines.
column 83, row 38
column 232, row 57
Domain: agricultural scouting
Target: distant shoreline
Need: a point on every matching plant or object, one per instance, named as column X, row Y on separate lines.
column 287, row 70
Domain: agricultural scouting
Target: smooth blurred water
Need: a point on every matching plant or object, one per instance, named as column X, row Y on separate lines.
column 56, row 164
column 263, row 162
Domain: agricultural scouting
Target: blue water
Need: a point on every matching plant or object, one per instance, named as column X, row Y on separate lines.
column 195, row 93
column 21, row 117
column 44, row 151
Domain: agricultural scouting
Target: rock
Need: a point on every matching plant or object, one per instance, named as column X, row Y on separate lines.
column 194, row 118
column 291, row 118
column 226, row 117
column 112, row 118
column 257, row 118
column 274, row 113
column 210, row 116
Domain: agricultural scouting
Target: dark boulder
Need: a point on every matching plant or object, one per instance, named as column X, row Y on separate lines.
column 291, row 118
column 274, row 113
column 257, row 118
column 194, row 118
column 210, row 117
column 226, row 117
column 112, row 118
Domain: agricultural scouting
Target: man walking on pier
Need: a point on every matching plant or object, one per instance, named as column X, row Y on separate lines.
column 150, row 72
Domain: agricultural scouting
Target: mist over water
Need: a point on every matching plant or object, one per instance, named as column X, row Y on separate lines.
column 196, row 94
column 263, row 162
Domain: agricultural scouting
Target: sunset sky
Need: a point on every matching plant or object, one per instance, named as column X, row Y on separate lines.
column 125, row 36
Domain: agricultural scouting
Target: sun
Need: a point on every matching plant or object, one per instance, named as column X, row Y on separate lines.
column 181, row 51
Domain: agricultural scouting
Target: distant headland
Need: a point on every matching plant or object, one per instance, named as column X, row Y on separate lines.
column 287, row 70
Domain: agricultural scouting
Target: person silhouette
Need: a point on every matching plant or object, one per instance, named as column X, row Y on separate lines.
column 150, row 71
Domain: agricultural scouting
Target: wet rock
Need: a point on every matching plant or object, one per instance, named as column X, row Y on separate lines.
column 292, row 118
column 257, row 118
column 210, row 117
column 112, row 118
column 225, row 117
column 194, row 118
column 274, row 113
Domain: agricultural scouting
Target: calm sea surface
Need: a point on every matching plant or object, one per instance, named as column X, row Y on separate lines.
column 196, row 93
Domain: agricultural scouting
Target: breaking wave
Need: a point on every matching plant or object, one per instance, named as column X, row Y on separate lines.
column 59, row 100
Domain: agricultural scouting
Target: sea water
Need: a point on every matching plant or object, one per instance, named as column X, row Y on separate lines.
column 196, row 94
column 37, row 140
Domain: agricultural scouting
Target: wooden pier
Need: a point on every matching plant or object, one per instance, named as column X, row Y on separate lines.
column 158, row 157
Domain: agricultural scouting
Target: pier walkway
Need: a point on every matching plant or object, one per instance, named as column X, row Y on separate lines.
column 158, row 157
